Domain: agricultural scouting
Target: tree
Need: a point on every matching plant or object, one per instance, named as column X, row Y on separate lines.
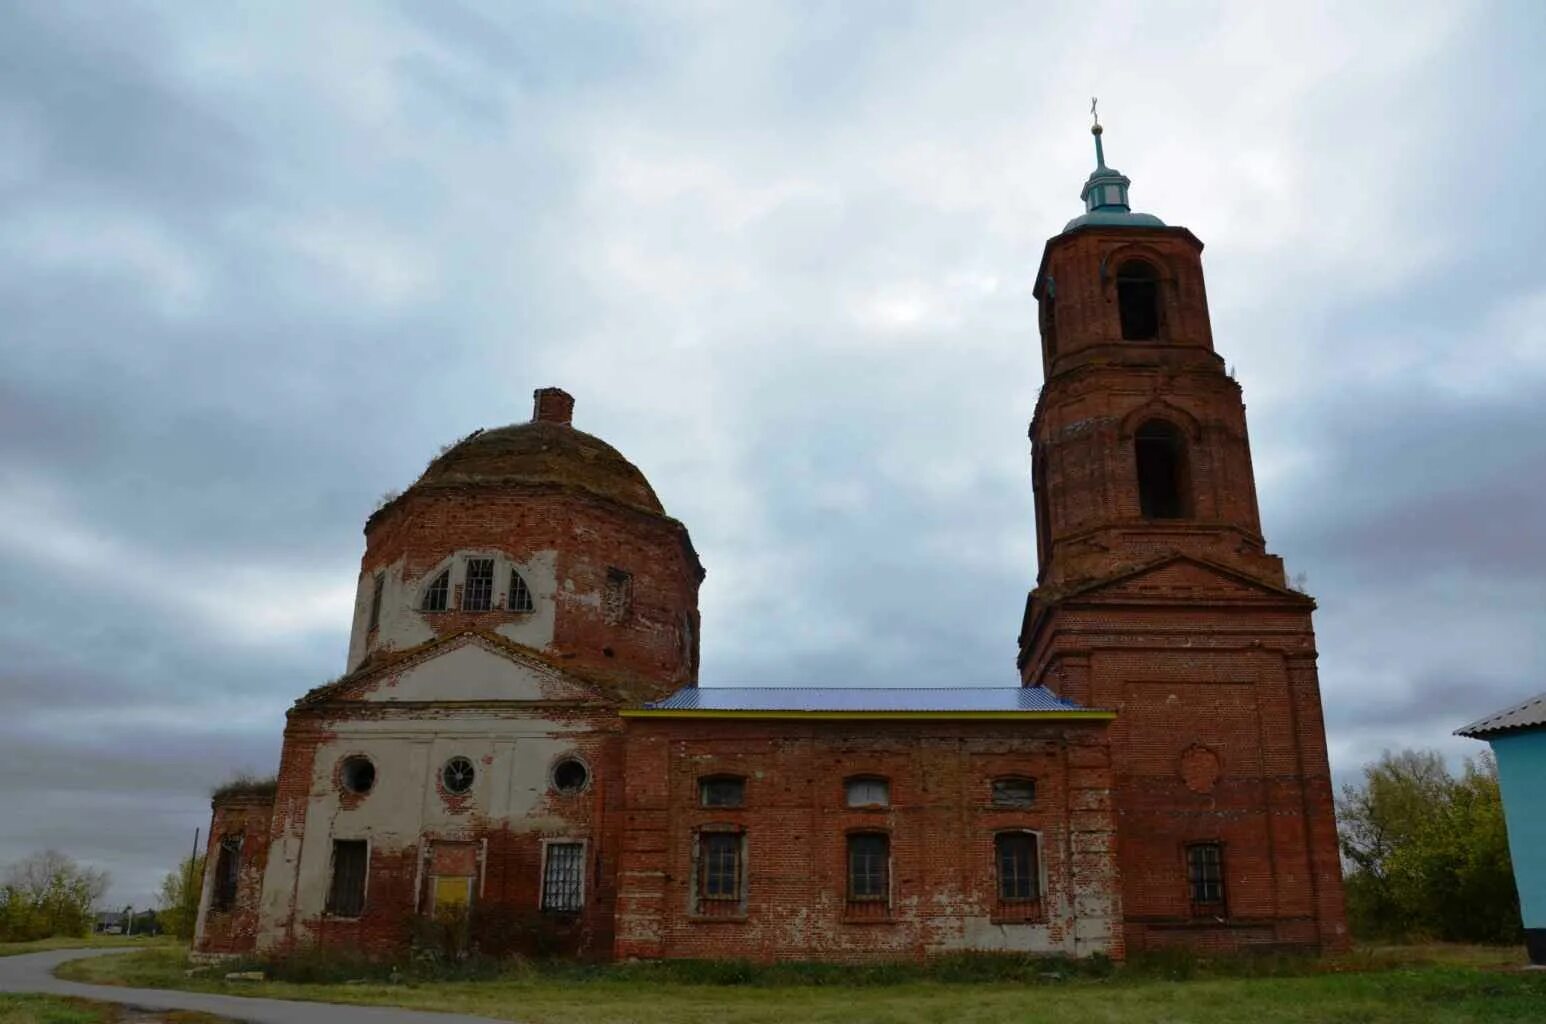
column 1426, row 852
column 49, row 894
column 179, row 899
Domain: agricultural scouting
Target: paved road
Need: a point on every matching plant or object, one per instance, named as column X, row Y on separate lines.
column 34, row 972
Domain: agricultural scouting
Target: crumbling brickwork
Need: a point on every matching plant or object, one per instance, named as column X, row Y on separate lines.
column 1181, row 622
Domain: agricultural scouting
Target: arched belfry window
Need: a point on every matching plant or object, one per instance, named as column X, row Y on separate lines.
column 1138, row 300
column 1163, row 483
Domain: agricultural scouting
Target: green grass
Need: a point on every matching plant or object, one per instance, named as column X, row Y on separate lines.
column 49, row 1010
column 87, row 942
column 1393, row 985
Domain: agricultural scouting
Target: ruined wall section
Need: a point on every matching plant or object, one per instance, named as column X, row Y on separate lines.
column 795, row 822
column 243, row 823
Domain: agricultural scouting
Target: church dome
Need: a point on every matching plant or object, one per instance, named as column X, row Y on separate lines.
column 546, row 451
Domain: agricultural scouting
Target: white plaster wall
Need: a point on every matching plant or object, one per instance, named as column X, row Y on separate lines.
column 403, row 625
column 513, row 756
column 471, row 673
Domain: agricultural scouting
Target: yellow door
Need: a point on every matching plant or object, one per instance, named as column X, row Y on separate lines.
column 452, row 893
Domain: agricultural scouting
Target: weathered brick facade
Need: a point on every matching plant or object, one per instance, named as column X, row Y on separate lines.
column 503, row 739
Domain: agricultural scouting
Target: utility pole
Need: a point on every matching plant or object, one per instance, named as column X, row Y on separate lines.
column 191, row 904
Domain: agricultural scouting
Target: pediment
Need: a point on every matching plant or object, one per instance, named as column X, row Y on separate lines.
column 470, row 668
column 1181, row 578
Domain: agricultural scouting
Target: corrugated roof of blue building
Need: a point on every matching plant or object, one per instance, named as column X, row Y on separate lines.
column 1528, row 714
column 867, row 700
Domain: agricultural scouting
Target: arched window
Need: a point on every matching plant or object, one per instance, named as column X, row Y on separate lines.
column 1138, row 300
column 436, row 595
column 1163, row 487
column 519, row 599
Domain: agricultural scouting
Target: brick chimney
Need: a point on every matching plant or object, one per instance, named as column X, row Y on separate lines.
column 552, row 405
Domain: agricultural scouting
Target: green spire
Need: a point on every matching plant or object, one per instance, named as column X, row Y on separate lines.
column 1105, row 191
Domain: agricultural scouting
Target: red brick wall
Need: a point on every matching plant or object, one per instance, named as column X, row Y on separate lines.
column 795, row 821
column 234, row 931
column 656, row 645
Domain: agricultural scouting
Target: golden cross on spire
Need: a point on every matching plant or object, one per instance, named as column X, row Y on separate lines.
column 1096, row 117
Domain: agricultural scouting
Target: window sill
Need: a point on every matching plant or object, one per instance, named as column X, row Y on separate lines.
column 851, row 919
column 740, row 918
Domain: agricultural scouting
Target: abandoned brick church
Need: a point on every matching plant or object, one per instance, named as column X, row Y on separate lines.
column 520, row 727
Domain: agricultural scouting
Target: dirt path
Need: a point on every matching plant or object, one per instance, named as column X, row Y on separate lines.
column 34, row 972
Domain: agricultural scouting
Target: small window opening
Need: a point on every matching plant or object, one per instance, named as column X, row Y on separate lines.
column 346, row 895
column 1138, row 300
column 1014, row 792
column 520, row 594
column 227, row 873
column 570, row 775
column 358, row 774
column 1019, row 873
column 478, row 595
column 375, row 601
column 869, row 874
column 721, row 873
column 563, row 878
column 867, row 792
column 722, row 791
column 458, row 775
column 1162, row 479
column 1205, row 876
column 617, row 601
column 437, row 594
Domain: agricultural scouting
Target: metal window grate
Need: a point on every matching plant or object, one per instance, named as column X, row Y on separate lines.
column 227, row 872
column 563, row 874
column 346, row 897
column 437, row 594
column 869, row 864
column 1205, row 872
column 478, row 595
column 719, row 868
column 867, row 792
column 520, row 594
column 1018, row 872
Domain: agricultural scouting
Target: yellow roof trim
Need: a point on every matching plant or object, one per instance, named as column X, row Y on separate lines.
column 1084, row 715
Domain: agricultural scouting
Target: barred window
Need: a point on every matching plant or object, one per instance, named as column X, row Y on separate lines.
column 227, row 872
column 563, row 876
column 346, row 896
column 520, row 594
column 720, row 873
column 1018, row 872
column 617, row 601
column 478, row 596
column 1205, row 872
column 1014, row 792
column 437, row 593
column 375, row 601
column 869, row 867
column 722, row 791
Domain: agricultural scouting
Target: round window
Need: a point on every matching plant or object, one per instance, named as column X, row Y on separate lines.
column 570, row 775
column 357, row 773
column 457, row 775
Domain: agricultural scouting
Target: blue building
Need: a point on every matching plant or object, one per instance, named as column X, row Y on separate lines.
column 1518, row 739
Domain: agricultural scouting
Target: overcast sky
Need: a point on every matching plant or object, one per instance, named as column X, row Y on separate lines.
column 259, row 261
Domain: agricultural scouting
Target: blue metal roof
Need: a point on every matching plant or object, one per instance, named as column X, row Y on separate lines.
column 837, row 699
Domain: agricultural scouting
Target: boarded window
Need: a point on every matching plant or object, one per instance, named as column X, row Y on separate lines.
column 869, row 872
column 227, row 872
column 346, row 896
column 375, row 601
column 720, row 873
column 1138, row 300
column 1014, row 792
column 1163, row 489
column 563, row 876
column 1019, row 874
column 478, row 594
column 437, row 594
column 722, row 791
column 520, row 594
column 867, row 792
column 617, row 600
column 1205, row 874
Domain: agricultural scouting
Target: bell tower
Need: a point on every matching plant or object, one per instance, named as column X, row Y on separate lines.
column 1156, row 597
